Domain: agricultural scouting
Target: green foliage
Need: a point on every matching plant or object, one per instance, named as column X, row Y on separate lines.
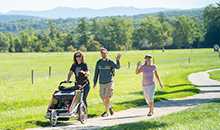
column 82, row 33
column 152, row 32
column 212, row 24
column 187, row 31
column 115, row 33
column 71, row 48
column 93, row 45
column 4, row 42
column 83, row 48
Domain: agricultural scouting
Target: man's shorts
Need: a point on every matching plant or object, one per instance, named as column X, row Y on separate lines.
column 106, row 90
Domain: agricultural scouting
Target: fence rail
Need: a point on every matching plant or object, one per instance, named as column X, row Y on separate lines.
column 53, row 73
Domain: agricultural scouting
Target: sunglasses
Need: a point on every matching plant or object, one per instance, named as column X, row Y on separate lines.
column 147, row 57
column 78, row 55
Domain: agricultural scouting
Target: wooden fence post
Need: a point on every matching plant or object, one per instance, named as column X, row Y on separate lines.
column 50, row 68
column 32, row 76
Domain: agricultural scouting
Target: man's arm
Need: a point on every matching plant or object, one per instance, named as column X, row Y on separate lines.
column 96, row 75
column 117, row 65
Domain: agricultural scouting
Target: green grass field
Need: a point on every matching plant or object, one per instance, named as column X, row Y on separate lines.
column 23, row 105
column 215, row 75
column 203, row 117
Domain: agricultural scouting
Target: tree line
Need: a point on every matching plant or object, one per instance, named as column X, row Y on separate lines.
column 117, row 33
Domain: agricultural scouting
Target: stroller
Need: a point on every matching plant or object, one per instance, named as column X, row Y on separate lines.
column 68, row 102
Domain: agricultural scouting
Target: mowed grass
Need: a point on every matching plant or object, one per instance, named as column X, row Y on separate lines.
column 23, row 105
column 215, row 75
column 203, row 117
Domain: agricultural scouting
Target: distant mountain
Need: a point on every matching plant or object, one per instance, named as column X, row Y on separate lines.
column 135, row 13
column 197, row 13
column 66, row 12
column 8, row 18
column 20, row 21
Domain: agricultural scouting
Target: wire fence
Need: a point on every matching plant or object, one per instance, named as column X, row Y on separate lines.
column 32, row 75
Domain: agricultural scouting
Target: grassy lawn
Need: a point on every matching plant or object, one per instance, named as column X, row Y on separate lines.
column 215, row 75
column 203, row 117
column 23, row 105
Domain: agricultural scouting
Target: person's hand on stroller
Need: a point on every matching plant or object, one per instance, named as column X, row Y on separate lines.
column 84, row 73
column 80, row 87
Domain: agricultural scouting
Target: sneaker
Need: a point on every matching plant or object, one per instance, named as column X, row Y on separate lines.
column 105, row 114
column 111, row 111
column 150, row 114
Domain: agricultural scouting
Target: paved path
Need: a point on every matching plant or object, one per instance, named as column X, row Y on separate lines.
column 210, row 89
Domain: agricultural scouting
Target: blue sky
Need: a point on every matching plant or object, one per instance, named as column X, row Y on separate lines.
column 6, row 5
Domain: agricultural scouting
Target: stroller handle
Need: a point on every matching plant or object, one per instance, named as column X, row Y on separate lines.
column 65, row 82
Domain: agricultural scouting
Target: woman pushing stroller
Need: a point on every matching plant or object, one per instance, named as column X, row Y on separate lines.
column 80, row 70
column 71, row 101
column 79, row 67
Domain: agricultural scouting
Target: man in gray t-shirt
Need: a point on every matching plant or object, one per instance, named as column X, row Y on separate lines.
column 104, row 71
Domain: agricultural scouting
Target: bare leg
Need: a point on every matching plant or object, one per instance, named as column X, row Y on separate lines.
column 150, row 104
column 151, row 107
column 106, row 103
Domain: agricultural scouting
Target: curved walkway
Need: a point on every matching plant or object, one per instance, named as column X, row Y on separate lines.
column 210, row 89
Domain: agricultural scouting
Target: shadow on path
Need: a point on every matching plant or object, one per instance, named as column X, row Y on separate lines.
column 139, row 125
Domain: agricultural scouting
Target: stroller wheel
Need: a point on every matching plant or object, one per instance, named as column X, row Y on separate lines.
column 83, row 113
column 53, row 118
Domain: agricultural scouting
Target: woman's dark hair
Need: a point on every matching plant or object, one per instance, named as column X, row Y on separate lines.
column 78, row 53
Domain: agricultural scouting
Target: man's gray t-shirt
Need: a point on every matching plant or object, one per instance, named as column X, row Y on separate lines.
column 104, row 70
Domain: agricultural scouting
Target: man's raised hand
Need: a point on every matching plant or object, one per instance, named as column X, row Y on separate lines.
column 118, row 57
